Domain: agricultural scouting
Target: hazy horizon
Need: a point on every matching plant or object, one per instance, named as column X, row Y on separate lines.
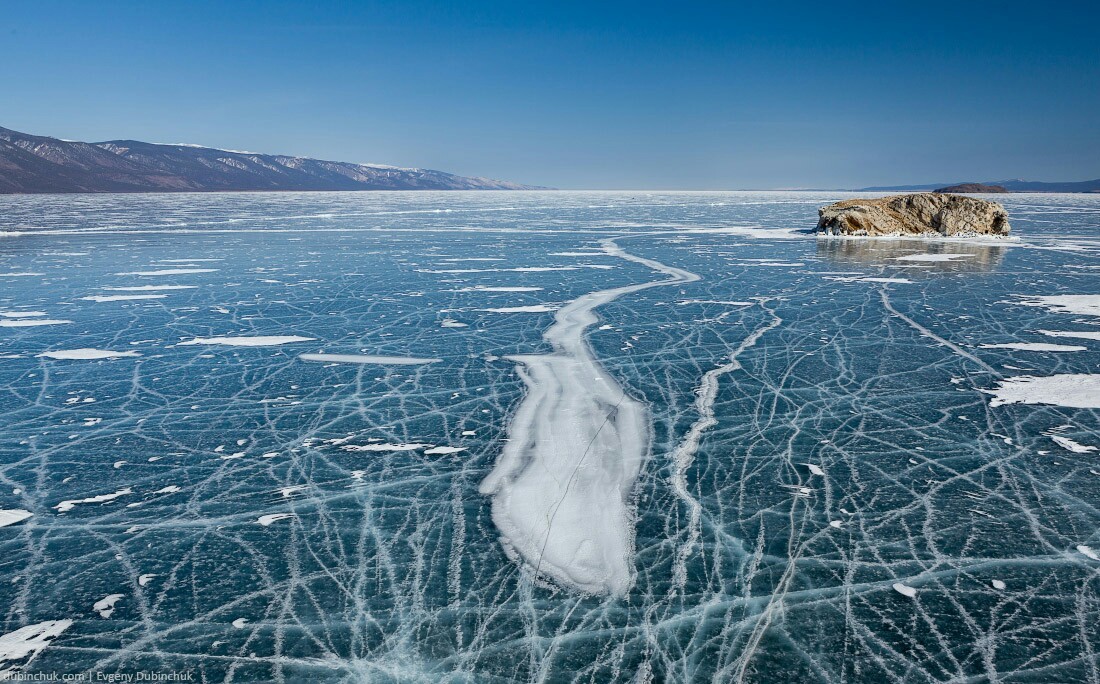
column 706, row 97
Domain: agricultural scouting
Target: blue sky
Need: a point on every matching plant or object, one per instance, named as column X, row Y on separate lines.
column 675, row 95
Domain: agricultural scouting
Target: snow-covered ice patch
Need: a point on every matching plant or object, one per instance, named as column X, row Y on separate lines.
column 148, row 288
column 257, row 341
column 1087, row 305
column 22, row 314
column 904, row 589
column 366, row 358
column 30, row 322
column 533, row 308
column 443, row 450
column 121, row 298
column 10, row 516
column 169, row 271
column 266, row 520
column 1079, row 334
column 19, row 648
column 1070, row 445
column 411, row 446
column 106, row 605
column 1035, row 346
column 1087, row 551
column 69, row 504
column 932, row 258
column 1072, row 390
column 87, row 354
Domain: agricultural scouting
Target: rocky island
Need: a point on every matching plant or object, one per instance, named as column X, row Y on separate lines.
column 920, row 214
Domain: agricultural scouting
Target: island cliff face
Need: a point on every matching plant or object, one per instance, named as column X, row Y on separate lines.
column 925, row 213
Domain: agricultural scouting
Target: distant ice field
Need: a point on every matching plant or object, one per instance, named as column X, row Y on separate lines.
column 547, row 436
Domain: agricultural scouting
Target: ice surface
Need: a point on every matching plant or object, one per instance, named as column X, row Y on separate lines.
column 121, row 298
column 742, row 562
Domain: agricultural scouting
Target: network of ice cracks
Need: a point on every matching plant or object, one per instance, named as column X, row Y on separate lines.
column 830, row 469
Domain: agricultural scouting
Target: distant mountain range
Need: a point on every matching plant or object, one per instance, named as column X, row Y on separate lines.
column 37, row 164
column 1014, row 185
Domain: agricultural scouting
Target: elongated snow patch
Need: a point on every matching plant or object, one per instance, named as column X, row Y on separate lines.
column 562, row 486
column 1035, row 346
column 364, row 358
column 19, row 648
column 11, row 516
column 170, row 271
column 30, row 322
column 121, row 298
column 87, row 354
column 1080, row 390
column 258, row 341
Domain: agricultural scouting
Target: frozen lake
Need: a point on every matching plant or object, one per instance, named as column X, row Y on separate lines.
column 561, row 437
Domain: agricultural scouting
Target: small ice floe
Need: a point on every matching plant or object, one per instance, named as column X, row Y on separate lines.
column 239, row 623
column 257, row 341
column 444, row 450
column 30, row 322
column 367, row 359
column 1083, row 334
column 169, row 271
column 411, row 446
column 1088, row 552
column 19, row 648
column 22, row 314
column 998, row 585
column 24, row 274
column 121, row 298
column 931, row 257
column 1035, row 347
column 292, row 490
column 10, row 516
column 106, row 605
column 87, row 354
column 904, row 589
column 233, row 456
column 451, row 323
column 1072, row 390
column 270, row 454
column 815, row 469
column 266, row 520
column 145, row 579
column 533, row 308
column 835, row 524
column 170, row 489
column 468, row 433
column 69, row 504
column 118, row 464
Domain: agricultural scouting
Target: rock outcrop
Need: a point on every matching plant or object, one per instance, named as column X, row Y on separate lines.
column 923, row 213
column 972, row 188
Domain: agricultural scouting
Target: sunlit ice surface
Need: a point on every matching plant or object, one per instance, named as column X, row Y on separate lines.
column 568, row 437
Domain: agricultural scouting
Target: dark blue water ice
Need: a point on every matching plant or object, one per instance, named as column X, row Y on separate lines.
column 817, row 442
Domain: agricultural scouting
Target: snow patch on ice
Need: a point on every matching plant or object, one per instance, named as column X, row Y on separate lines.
column 1081, row 390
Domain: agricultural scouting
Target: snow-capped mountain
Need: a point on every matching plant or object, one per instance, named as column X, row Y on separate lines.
column 38, row 164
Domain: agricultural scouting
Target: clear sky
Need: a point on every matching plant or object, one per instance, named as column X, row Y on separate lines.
column 637, row 95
